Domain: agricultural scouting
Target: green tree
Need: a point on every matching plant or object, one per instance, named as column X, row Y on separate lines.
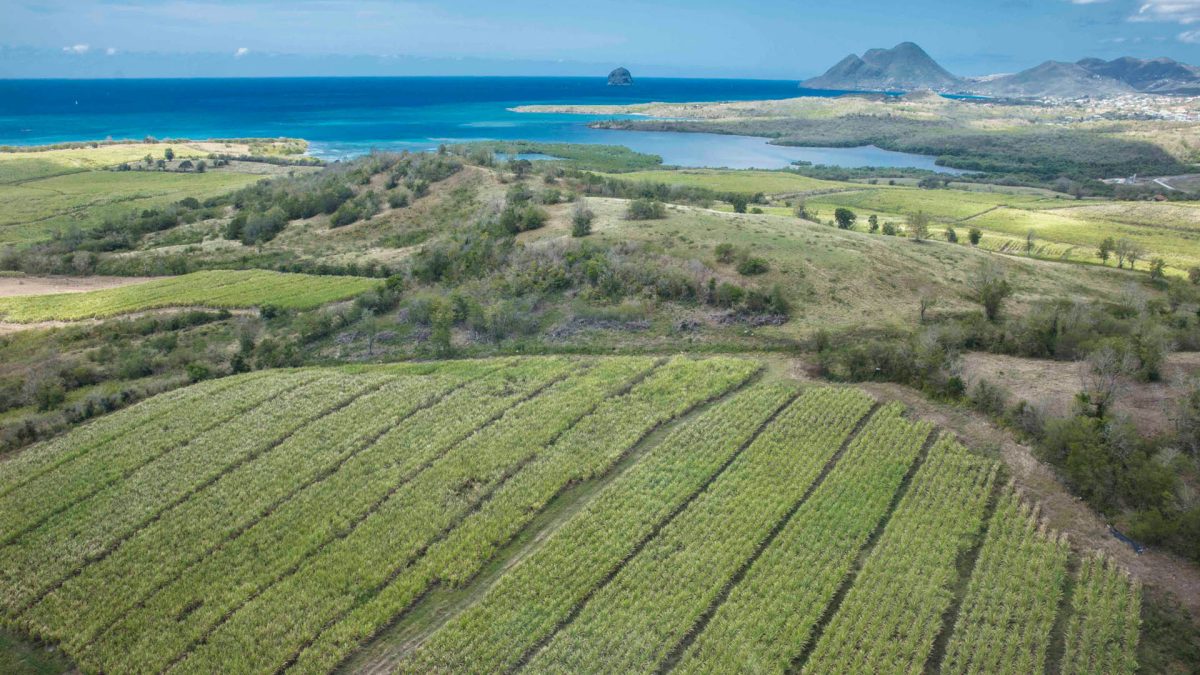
column 975, row 235
column 1106, row 250
column 169, row 154
column 873, row 223
column 738, row 202
column 951, row 235
column 845, row 218
column 990, row 289
column 1030, row 241
column 1158, row 269
column 918, row 226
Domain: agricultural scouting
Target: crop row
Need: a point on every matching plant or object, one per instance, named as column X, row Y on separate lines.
column 55, row 490
column 160, row 552
column 589, row 449
column 538, row 596
column 265, row 633
column 216, row 288
column 164, row 625
column 1102, row 633
column 44, row 557
column 769, row 617
column 1012, row 598
column 632, row 623
column 103, row 432
column 889, row 619
column 486, row 467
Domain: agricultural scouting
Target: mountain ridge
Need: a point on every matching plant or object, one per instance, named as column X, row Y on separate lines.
column 907, row 67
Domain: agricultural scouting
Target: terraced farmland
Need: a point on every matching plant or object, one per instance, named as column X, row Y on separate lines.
column 548, row 514
column 218, row 288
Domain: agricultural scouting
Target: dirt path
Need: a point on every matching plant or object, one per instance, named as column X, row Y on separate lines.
column 1064, row 512
column 17, row 286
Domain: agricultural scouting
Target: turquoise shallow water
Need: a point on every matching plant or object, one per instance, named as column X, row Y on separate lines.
column 343, row 117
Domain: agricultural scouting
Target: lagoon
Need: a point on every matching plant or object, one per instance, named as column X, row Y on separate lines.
column 345, row 117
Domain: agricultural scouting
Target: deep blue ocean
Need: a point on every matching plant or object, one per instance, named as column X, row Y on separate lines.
column 342, row 117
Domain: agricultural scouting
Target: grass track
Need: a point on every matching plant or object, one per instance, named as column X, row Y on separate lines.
column 218, row 288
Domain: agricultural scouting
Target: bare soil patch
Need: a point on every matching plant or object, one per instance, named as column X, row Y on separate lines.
column 16, row 286
column 1054, row 384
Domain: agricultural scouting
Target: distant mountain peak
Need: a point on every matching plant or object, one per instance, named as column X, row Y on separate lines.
column 905, row 67
column 1157, row 76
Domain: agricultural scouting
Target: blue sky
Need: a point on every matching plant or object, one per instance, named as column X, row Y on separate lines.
column 786, row 39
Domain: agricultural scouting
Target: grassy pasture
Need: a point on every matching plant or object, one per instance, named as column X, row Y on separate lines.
column 1063, row 228
column 728, row 180
column 51, row 191
column 843, row 279
column 21, row 166
column 35, row 209
column 217, row 288
column 281, row 520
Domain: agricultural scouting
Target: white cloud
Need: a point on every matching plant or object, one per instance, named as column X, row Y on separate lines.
column 241, row 51
column 1185, row 12
column 111, row 51
column 77, row 49
column 1190, row 37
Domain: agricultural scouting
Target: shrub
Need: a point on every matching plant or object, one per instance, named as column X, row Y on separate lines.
column 889, row 229
column 581, row 220
column 951, row 235
column 988, row 398
column 738, row 202
column 398, row 200
column 750, row 266
column 515, row 219
column 725, row 253
column 198, row 371
column 645, row 209
column 346, row 214
column 729, row 295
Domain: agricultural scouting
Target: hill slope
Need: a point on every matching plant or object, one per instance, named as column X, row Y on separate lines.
column 283, row 519
column 1053, row 79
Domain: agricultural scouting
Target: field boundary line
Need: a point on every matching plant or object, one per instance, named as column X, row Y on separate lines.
column 270, row 509
column 965, row 569
column 673, row 656
column 540, row 532
column 650, row 536
column 188, row 494
column 474, row 508
column 863, row 553
column 16, row 536
column 203, row 639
